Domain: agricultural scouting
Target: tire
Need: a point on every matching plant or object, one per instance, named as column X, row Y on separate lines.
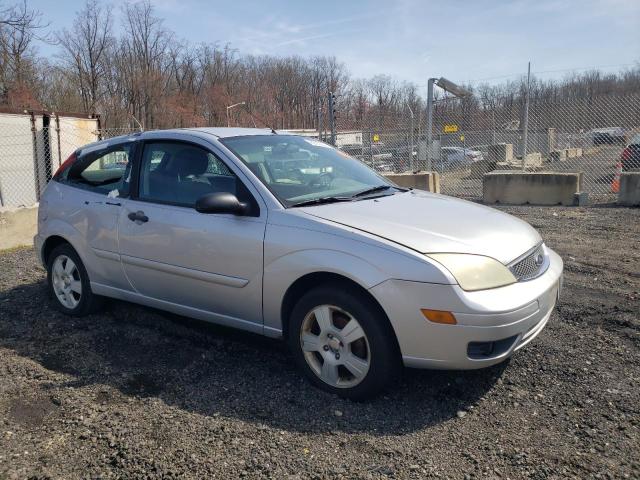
column 69, row 288
column 337, row 356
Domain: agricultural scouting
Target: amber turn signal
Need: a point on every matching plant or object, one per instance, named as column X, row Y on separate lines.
column 439, row 316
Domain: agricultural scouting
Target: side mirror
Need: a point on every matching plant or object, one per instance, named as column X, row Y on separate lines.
column 221, row 202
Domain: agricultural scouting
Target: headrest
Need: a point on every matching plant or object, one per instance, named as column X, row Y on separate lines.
column 189, row 161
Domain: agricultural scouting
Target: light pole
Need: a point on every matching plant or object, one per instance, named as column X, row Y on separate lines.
column 447, row 86
column 230, row 107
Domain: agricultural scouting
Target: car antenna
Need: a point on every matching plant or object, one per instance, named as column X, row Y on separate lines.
column 255, row 116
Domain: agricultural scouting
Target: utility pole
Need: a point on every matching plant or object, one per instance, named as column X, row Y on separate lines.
column 447, row 86
column 525, row 127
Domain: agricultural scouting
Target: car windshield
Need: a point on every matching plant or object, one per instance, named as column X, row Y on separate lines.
column 301, row 170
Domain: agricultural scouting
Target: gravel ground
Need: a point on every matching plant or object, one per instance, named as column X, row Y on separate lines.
column 134, row 392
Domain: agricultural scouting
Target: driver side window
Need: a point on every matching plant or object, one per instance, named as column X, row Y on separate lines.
column 178, row 174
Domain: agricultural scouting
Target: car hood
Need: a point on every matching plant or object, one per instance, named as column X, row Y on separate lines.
column 430, row 223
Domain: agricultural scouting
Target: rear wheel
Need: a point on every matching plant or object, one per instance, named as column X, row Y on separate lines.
column 68, row 283
column 343, row 343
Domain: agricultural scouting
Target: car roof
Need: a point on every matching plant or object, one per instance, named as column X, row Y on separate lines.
column 218, row 132
column 226, row 132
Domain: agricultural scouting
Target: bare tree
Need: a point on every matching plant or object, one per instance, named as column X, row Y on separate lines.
column 19, row 26
column 85, row 49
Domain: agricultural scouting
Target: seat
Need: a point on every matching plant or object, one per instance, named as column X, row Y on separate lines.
column 180, row 179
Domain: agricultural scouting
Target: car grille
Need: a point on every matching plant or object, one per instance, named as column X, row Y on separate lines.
column 532, row 265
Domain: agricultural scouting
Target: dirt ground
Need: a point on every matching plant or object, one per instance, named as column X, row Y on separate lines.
column 136, row 393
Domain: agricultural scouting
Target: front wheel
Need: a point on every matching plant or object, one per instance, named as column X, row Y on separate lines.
column 343, row 343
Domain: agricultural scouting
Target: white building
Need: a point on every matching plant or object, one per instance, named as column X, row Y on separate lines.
column 345, row 137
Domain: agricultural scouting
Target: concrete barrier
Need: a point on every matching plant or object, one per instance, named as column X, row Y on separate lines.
column 17, row 226
column 479, row 168
column 540, row 188
column 629, row 193
column 429, row 181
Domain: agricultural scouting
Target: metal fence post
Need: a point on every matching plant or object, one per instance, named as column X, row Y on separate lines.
column 429, row 120
column 525, row 128
column 371, row 150
column 332, row 120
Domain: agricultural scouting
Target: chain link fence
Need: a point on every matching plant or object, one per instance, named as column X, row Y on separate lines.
column 585, row 135
column 32, row 148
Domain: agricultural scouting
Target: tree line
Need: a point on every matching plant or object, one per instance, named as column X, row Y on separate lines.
column 145, row 76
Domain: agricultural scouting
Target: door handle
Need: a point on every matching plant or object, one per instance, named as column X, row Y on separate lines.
column 116, row 204
column 138, row 216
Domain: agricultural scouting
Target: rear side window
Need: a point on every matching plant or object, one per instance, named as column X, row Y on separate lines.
column 103, row 171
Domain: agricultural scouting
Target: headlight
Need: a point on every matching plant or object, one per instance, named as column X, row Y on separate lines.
column 475, row 272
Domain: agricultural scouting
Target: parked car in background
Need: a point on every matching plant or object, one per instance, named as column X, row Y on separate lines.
column 374, row 157
column 451, row 157
column 286, row 236
column 608, row 136
column 630, row 156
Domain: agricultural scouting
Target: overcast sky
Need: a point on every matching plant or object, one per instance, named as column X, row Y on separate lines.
column 410, row 39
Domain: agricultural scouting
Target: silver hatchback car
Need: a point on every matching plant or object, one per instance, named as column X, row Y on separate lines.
column 288, row 237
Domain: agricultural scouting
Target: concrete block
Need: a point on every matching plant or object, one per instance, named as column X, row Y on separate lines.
column 429, row 181
column 17, row 226
column 533, row 160
column 512, row 165
column 590, row 150
column 501, row 152
column 558, row 155
column 629, row 193
column 540, row 188
column 578, row 152
column 580, row 199
column 478, row 169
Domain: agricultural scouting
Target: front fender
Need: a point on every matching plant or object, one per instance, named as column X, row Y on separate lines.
column 280, row 274
column 296, row 246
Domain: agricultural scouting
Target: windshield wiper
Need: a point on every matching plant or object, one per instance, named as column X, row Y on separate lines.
column 321, row 200
column 378, row 188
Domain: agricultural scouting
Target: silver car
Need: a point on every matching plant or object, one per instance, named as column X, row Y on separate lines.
column 290, row 238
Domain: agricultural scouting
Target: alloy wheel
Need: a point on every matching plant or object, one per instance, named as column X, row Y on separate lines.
column 335, row 346
column 66, row 281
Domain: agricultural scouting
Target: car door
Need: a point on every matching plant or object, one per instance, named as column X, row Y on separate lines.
column 94, row 187
column 171, row 253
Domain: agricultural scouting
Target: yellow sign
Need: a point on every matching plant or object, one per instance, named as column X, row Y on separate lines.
column 376, row 137
column 462, row 138
column 450, row 128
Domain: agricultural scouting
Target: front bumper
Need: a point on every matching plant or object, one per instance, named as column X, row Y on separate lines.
column 492, row 324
